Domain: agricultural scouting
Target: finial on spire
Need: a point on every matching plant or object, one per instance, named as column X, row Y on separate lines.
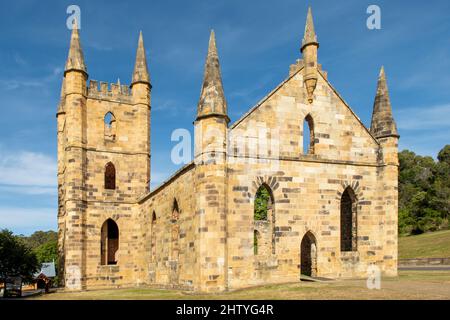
column 212, row 98
column 140, row 73
column 75, row 60
column 310, row 36
column 383, row 123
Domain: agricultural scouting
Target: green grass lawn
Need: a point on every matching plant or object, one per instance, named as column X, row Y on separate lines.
column 427, row 245
column 408, row 285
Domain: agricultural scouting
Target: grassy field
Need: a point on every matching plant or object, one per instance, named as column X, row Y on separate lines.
column 408, row 285
column 427, row 245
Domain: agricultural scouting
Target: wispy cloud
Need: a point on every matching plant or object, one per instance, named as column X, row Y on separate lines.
column 27, row 172
column 36, row 82
column 423, row 118
column 424, row 130
column 26, row 220
column 172, row 107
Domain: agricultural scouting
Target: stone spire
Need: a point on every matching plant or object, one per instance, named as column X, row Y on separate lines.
column 140, row 73
column 212, row 99
column 75, row 60
column 383, row 124
column 310, row 36
column 309, row 52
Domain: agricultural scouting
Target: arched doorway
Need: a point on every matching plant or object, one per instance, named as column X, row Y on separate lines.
column 109, row 242
column 308, row 255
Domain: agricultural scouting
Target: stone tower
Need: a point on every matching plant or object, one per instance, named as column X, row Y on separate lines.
column 384, row 129
column 103, row 166
column 210, row 153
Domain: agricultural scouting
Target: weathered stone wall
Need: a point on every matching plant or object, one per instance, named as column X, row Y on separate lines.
column 171, row 244
column 307, row 188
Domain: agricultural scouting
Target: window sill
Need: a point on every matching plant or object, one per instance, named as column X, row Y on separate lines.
column 108, row 268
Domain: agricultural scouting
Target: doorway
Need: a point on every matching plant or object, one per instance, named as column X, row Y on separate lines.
column 308, row 255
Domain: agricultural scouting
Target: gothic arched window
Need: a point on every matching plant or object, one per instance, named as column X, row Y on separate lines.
column 110, row 127
column 263, row 203
column 348, row 220
column 175, row 230
column 308, row 135
column 110, row 176
column 264, row 220
column 153, row 237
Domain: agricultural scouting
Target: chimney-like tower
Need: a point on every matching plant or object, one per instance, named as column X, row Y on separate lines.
column 384, row 129
column 212, row 99
column 211, row 130
column 141, row 92
column 75, row 59
column 383, row 124
column 71, row 118
column 309, row 52
column 140, row 73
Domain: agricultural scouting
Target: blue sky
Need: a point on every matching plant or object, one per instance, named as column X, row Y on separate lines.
column 257, row 41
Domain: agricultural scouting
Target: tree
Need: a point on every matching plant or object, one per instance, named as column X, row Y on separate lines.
column 424, row 192
column 261, row 203
column 444, row 154
column 47, row 252
column 39, row 238
column 16, row 259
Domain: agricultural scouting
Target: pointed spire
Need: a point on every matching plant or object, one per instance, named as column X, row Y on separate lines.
column 383, row 123
column 140, row 73
column 212, row 98
column 310, row 36
column 75, row 60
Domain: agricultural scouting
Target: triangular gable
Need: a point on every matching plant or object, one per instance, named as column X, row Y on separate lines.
column 271, row 93
column 348, row 107
column 264, row 99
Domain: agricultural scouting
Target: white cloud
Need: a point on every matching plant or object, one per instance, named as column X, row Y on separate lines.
column 29, row 190
column 28, row 220
column 424, row 118
column 27, row 172
column 38, row 82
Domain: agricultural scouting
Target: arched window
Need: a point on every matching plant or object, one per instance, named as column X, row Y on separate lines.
column 174, row 273
column 263, row 204
column 110, row 127
column 175, row 210
column 110, row 176
column 153, row 237
column 308, row 135
column 348, row 220
column 109, row 242
column 175, row 230
column 256, row 241
column 264, row 219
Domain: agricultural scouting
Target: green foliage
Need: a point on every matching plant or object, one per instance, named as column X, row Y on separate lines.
column 47, row 252
column 424, row 192
column 39, row 238
column 16, row 259
column 262, row 201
